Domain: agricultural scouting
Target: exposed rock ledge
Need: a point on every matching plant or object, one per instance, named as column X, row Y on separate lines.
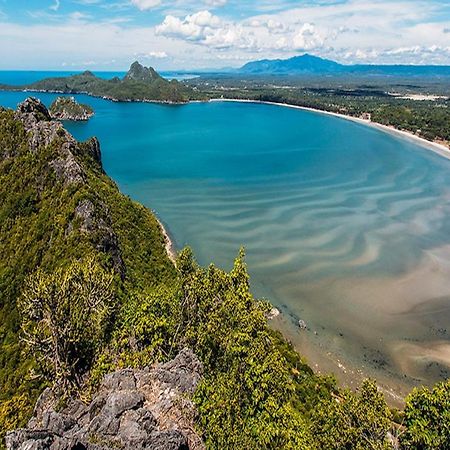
column 133, row 409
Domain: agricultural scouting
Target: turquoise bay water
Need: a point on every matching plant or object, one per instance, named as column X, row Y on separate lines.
column 345, row 227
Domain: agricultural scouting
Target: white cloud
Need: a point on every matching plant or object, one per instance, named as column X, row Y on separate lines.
column 87, row 2
column 216, row 3
column 56, row 5
column 144, row 5
column 307, row 38
column 195, row 27
column 152, row 54
column 352, row 31
column 76, row 16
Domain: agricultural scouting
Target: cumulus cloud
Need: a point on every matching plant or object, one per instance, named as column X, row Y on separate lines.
column 207, row 29
column 252, row 35
column 195, row 27
column 308, row 38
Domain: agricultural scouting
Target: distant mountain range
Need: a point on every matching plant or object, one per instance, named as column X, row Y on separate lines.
column 312, row 65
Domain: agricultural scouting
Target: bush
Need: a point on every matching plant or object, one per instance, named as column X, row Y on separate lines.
column 427, row 418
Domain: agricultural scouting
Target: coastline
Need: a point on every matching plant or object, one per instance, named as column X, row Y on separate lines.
column 440, row 149
column 168, row 242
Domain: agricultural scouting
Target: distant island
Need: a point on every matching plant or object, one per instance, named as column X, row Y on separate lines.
column 67, row 108
column 139, row 84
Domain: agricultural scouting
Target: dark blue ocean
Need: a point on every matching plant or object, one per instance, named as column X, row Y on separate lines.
column 345, row 226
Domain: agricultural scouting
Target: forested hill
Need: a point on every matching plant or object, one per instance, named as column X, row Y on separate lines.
column 313, row 65
column 139, row 84
column 87, row 289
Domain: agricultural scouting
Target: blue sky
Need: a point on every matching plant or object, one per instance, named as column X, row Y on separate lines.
column 190, row 34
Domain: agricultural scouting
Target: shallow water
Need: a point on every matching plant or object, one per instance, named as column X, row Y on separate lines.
column 345, row 226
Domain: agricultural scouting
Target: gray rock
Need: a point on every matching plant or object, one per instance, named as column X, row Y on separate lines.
column 120, row 401
column 66, row 167
column 167, row 440
column 85, row 211
column 57, row 423
column 77, row 409
column 32, row 111
column 183, row 372
column 28, row 439
column 120, row 380
column 46, row 402
column 137, row 409
column 93, row 148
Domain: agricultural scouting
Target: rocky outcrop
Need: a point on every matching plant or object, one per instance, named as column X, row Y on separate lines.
column 93, row 148
column 138, row 72
column 133, row 409
column 42, row 131
column 93, row 217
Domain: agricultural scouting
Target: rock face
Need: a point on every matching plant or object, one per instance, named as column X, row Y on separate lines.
column 67, row 108
column 138, row 72
column 133, row 409
column 39, row 125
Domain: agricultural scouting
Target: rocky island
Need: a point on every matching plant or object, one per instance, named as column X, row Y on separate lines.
column 142, row 84
column 67, row 108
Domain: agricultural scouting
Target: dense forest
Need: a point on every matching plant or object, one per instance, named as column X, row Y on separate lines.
column 87, row 287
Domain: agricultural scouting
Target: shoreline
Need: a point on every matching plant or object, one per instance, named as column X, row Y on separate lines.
column 168, row 242
column 437, row 148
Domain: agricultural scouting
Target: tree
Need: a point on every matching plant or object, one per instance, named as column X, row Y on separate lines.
column 64, row 318
column 246, row 397
column 427, row 418
column 353, row 421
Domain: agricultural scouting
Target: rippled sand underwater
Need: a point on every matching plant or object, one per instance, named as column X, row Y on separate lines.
column 346, row 227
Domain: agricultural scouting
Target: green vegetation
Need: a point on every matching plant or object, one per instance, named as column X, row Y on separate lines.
column 55, row 325
column 40, row 230
column 87, row 285
column 353, row 421
column 427, row 418
column 140, row 84
column 67, row 108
